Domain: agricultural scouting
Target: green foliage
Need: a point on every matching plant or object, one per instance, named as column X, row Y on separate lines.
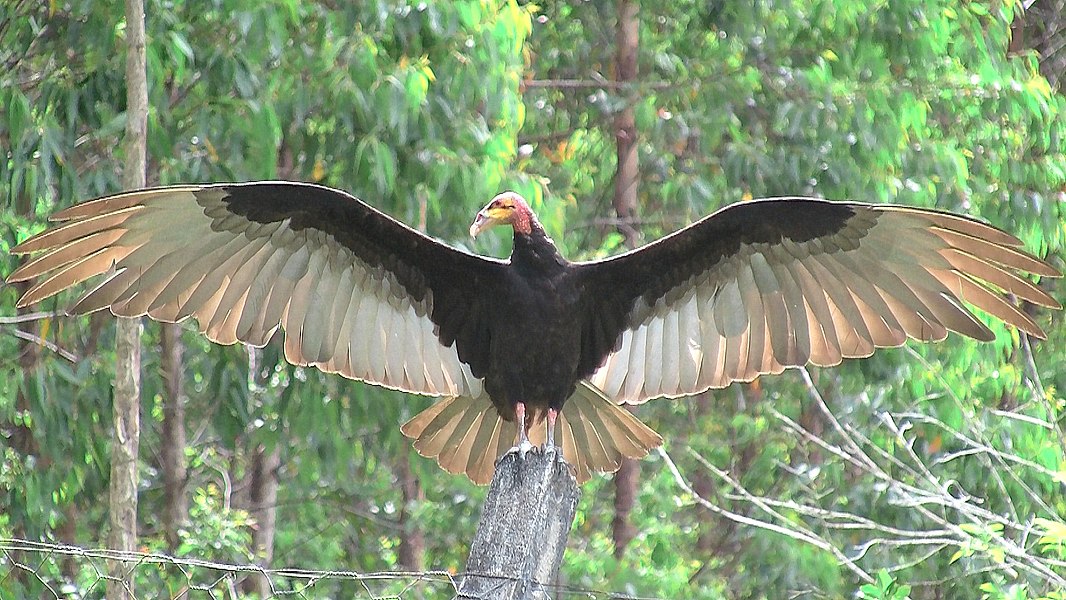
column 215, row 533
column 215, row 528
column 420, row 109
column 885, row 588
column 1052, row 538
column 908, row 102
column 413, row 108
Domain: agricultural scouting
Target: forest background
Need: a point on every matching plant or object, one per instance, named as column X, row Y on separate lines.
column 925, row 471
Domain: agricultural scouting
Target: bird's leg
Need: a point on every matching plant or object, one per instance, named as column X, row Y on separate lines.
column 523, row 438
column 549, row 441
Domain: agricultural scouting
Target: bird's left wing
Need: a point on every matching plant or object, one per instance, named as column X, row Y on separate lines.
column 764, row 285
column 356, row 291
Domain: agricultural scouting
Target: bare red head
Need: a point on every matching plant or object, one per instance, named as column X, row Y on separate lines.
column 508, row 208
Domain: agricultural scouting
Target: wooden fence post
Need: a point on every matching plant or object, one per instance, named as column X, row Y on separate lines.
column 524, row 525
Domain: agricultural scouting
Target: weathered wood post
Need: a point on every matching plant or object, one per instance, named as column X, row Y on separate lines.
column 525, row 522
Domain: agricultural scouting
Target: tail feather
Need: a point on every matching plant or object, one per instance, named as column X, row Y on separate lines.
column 464, row 434
column 576, row 457
column 436, row 426
column 603, row 433
column 467, row 435
column 488, row 444
column 632, row 437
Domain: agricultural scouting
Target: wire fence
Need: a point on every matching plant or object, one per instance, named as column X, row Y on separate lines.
column 65, row 572
column 30, row 569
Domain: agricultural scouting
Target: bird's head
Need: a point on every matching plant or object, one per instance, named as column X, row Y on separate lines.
column 508, row 208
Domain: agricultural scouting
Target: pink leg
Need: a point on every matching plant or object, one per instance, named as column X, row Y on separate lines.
column 552, row 414
column 520, row 417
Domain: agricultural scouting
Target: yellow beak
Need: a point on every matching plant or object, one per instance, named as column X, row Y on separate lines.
column 479, row 224
column 487, row 218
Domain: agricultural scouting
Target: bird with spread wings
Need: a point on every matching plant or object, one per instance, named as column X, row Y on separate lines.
column 535, row 349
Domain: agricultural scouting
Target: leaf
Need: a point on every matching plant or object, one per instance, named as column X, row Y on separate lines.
column 870, row 590
column 18, row 113
column 384, row 168
column 998, row 554
column 318, row 172
column 416, row 86
column 181, row 45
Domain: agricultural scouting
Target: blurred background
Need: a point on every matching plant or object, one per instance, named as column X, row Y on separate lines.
column 926, row 471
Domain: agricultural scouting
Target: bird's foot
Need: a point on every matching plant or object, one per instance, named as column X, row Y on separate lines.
column 524, row 447
column 521, row 449
column 551, row 451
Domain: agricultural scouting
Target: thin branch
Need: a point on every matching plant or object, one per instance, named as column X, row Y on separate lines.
column 1006, row 414
column 1040, row 391
column 595, row 83
column 632, row 221
column 29, row 337
column 27, row 317
column 552, row 136
column 810, row 538
column 941, row 493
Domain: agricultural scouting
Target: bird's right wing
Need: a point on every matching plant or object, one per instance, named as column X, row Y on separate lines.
column 356, row 291
column 761, row 286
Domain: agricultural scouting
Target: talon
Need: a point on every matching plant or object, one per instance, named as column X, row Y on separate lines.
column 520, row 449
column 552, row 451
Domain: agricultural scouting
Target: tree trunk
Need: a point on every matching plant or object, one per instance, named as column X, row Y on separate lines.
column 1042, row 27
column 704, row 487
column 263, row 497
column 67, row 532
column 262, row 493
column 626, row 481
column 176, row 506
column 716, row 546
column 126, row 409
column 29, row 357
column 626, row 179
column 813, row 420
column 627, row 175
column 22, row 440
column 412, row 540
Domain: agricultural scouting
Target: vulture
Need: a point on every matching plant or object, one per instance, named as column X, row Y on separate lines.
column 535, row 349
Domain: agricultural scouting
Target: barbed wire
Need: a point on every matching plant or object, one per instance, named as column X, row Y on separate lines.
column 35, row 567
column 216, row 579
